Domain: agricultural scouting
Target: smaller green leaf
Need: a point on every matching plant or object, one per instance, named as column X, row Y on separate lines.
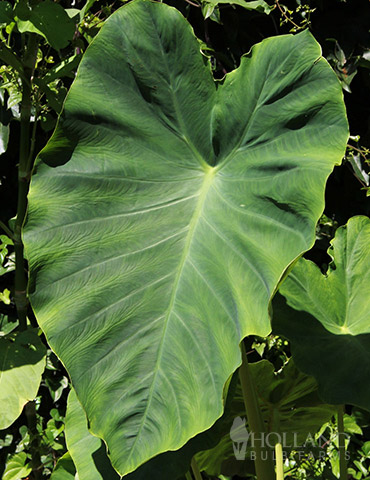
column 6, row 441
column 86, row 7
column 356, row 162
column 361, row 467
column 5, row 265
column 53, row 430
column 4, row 138
column 17, row 468
column 366, row 449
column 74, row 14
column 7, row 325
column 22, row 361
column 350, row 425
column 329, row 328
column 56, row 385
column 49, row 20
column 5, row 297
column 336, row 299
column 259, row 5
column 5, row 117
column 64, row 68
column 64, row 469
column 207, row 10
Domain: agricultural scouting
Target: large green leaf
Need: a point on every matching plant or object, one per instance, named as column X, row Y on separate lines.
column 91, row 460
column 330, row 326
column 22, row 361
column 163, row 213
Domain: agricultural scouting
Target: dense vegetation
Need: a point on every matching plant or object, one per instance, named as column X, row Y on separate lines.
column 324, row 396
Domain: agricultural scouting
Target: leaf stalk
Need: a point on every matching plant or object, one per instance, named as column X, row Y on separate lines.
column 343, row 475
column 195, row 469
column 279, row 461
column 24, row 174
column 263, row 462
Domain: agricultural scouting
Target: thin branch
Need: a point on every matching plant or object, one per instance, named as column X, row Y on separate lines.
column 357, row 150
column 6, row 230
column 356, row 176
column 285, row 15
column 192, row 3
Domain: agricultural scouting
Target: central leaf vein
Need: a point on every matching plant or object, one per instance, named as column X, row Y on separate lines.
column 209, row 175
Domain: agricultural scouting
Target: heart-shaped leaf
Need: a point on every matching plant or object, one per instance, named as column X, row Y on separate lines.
column 163, row 213
column 22, row 361
column 48, row 19
column 17, row 467
column 330, row 326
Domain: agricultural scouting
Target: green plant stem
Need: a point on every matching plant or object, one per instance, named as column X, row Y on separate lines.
column 31, row 157
column 6, row 230
column 263, row 462
column 195, row 469
column 188, row 476
column 24, row 173
column 279, row 461
column 36, row 462
column 343, row 475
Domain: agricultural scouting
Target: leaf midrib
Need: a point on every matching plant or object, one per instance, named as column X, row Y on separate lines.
column 207, row 182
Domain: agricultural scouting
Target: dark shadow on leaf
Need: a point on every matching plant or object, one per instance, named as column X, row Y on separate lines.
column 278, row 96
column 340, row 363
column 24, row 348
column 302, row 120
column 60, row 151
column 281, row 205
column 103, row 464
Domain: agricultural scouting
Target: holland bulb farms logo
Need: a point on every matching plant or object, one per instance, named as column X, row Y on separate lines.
column 245, row 442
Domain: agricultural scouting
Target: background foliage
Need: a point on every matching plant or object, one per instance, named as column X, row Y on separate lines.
column 34, row 445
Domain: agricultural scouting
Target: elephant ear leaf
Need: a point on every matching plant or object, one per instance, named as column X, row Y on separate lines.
column 332, row 315
column 163, row 213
